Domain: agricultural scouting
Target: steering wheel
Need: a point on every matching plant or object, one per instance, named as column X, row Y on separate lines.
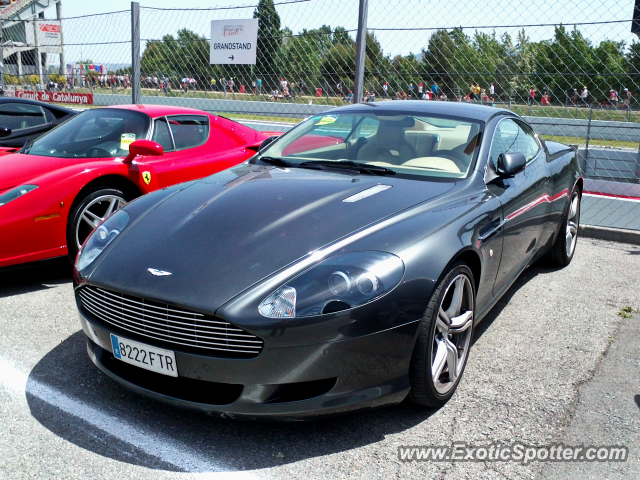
column 99, row 152
column 461, row 161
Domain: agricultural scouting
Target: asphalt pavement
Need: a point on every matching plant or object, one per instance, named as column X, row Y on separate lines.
column 537, row 372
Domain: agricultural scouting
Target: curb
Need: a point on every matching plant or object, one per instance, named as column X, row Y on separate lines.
column 610, row 234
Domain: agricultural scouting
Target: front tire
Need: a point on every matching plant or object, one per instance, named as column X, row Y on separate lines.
column 444, row 339
column 565, row 245
column 94, row 207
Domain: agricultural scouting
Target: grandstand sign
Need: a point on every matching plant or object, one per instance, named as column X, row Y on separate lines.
column 233, row 42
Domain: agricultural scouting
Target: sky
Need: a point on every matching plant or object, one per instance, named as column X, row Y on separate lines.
column 423, row 16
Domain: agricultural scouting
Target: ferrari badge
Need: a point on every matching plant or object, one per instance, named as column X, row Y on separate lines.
column 146, row 176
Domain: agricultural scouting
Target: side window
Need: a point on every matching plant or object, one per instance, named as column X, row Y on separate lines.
column 189, row 130
column 162, row 135
column 511, row 136
column 17, row 116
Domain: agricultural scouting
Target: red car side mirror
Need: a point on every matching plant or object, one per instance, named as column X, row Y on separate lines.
column 143, row 147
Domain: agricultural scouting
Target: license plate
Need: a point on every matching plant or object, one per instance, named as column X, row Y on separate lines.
column 151, row 358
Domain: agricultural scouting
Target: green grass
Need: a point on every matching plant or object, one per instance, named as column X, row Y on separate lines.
column 592, row 143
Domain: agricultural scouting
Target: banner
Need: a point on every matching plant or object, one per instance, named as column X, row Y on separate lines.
column 49, row 34
column 57, row 97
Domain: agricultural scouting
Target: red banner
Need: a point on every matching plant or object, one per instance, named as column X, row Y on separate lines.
column 57, row 97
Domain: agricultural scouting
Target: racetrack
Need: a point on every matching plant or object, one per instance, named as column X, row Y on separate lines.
column 61, row 418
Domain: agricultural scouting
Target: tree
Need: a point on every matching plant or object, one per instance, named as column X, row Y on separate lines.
column 269, row 41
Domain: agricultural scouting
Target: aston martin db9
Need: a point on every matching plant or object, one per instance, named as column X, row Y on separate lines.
column 342, row 267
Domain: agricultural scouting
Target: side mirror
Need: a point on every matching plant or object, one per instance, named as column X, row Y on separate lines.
column 266, row 142
column 143, row 147
column 5, row 132
column 510, row 164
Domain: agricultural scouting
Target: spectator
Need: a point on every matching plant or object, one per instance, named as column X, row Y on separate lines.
column 259, row 85
column 285, row 92
column 349, row 98
column 483, row 95
column 434, row 89
column 155, row 82
column 584, row 95
column 283, row 83
column 339, row 88
column 149, row 84
column 231, row 85
column 532, row 96
column 411, row 91
column 627, row 97
column 420, row 88
column 254, row 86
column 612, row 98
column 492, row 92
column 477, row 90
column 472, row 92
column 574, row 97
column 213, row 84
column 300, row 87
column 443, row 97
column 385, row 90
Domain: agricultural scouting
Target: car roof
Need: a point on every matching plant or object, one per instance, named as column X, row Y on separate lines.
column 28, row 101
column 456, row 109
column 159, row 110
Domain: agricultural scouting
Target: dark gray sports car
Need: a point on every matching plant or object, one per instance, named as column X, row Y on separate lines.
column 344, row 266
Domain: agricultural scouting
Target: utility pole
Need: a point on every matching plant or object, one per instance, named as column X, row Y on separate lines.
column 361, row 44
column 63, row 63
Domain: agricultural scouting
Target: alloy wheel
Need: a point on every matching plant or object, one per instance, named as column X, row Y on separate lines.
column 452, row 337
column 95, row 212
column 571, row 231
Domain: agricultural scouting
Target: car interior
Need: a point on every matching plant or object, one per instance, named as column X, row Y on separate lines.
column 403, row 143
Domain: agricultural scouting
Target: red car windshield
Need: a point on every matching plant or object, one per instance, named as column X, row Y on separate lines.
column 99, row 133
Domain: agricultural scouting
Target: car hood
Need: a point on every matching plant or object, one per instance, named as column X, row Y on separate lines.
column 225, row 233
column 19, row 169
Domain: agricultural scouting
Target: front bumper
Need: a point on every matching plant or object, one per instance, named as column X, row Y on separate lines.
column 285, row 383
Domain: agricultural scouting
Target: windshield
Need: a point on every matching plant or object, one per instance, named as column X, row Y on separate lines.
column 406, row 143
column 98, row 133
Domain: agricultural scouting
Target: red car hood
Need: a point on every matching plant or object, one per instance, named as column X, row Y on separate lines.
column 19, row 169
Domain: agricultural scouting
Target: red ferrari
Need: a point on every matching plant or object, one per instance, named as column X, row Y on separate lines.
column 60, row 186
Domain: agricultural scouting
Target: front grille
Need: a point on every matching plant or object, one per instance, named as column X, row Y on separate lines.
column 169, row 324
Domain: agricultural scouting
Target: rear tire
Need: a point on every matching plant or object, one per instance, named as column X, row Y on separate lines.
column 444, row 339
column 565, row 245
column 94, row 206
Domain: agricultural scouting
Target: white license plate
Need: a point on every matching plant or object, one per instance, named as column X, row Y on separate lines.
column 151, row 358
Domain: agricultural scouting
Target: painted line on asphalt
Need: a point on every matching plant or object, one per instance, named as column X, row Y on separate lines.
column 166, row 450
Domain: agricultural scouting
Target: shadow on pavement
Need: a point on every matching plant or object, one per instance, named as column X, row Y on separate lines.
column 236, row 444
column 34, row 277
column 239, row 445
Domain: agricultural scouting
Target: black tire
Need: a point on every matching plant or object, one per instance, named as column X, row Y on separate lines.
column 560, row 253
column 76, row 216
column 423, row 386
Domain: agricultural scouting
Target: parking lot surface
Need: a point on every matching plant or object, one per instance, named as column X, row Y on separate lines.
column 539, row 349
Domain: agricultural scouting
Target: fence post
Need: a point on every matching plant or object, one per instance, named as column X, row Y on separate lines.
column 361, row 44
column 135, row 52
column 2, row 57
column 586, row 150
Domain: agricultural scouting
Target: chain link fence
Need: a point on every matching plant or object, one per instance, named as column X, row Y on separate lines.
column 571, row 69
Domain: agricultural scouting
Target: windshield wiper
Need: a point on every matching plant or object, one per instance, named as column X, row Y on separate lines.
column 278, row 162
column 351, row 165
column 27, row 145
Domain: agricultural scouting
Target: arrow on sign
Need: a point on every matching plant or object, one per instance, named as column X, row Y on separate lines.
column 231, row 57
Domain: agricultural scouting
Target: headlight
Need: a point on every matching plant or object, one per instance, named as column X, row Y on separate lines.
column 16, row 192
column 102, row 236
column 338, row 283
